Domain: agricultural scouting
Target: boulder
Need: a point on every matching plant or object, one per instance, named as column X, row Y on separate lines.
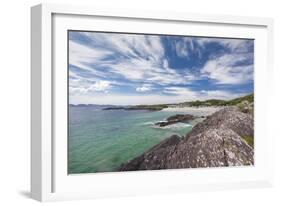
column 215, row 142
column 175, row 119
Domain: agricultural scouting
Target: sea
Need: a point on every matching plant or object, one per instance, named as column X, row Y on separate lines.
column 101, row 140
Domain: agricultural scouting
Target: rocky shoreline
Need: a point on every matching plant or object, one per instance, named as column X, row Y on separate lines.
column 207, row 105
column 220, row 140
column 183, row 118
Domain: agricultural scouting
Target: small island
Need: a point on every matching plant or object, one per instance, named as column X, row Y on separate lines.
column 156, row 107
column 183, row 118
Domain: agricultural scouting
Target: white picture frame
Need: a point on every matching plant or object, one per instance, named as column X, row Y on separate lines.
column 49, row 179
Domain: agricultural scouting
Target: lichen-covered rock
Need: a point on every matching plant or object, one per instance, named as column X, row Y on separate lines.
column 215, row 142
column 246, row 106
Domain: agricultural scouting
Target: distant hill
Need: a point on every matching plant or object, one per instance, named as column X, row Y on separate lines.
column 218, row 102
column 249, row 98
column 157, row 107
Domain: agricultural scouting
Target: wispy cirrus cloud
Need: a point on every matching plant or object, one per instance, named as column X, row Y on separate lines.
column 190, row 94
column 227, row 69
column 81, row 55
column 234, row 66
column 164, row 66
column 134, row 57
column 235, row 45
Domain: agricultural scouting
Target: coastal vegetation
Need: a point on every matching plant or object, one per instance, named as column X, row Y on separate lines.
column 249, row 140
column 217, row 102
column 243, row 101
column 156, row 107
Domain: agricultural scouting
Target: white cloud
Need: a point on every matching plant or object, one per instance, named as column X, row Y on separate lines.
column 140, row 58
column 184, row 46
column 174, row 95
column 227, row 68
column 181, row 49
column 224, row 69
column 144, row 88
column 82, row 89
column 188, row 94
column 100, row 86
column 180, row 91
column 81, row 56
column 130, row 45
column 219, row 94
column 235, row 45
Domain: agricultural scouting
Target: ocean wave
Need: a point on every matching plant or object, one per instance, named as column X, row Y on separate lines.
column 173, row 126
column 147, row 123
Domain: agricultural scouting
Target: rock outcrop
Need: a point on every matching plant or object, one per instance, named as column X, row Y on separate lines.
column 215, row 142
column 175, row 119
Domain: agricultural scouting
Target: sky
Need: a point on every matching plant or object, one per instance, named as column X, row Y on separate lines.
column 131, row 69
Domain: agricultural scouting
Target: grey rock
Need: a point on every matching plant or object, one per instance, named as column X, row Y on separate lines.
column 215, row 142
column 175, row 119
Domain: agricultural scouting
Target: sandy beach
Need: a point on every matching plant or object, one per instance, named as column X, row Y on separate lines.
column 194, row 110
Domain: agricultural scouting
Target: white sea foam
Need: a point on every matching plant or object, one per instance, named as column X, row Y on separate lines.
column 147, row 123
column 173, row 126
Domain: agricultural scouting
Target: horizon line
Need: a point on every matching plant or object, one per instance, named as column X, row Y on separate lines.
column 160, row 103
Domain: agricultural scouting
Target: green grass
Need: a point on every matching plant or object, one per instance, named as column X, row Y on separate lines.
column 210, row 102
column 217, row 102
column 249, row 98
column 249, row 140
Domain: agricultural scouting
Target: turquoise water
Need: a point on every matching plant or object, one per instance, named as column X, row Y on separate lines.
column 101, row 140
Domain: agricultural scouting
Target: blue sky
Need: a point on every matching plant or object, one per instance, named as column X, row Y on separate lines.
column 126, row 69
